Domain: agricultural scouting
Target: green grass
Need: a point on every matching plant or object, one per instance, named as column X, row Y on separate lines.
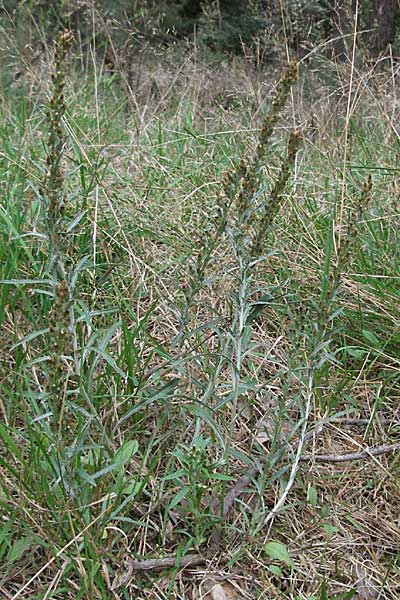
column 169, row 396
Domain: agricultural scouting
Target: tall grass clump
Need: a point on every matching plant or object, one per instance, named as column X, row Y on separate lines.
column 58, row 456
column 314, row 335
column 250, row 225
column 246, row 209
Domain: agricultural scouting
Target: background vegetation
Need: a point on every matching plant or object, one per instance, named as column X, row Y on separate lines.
column 199, row 302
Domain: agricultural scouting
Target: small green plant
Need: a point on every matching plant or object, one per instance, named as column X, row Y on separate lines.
column 196, row 479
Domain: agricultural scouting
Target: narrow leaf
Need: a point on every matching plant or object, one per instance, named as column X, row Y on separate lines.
column 179, row 497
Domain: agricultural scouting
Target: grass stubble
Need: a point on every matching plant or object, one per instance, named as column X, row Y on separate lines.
column 209, row 345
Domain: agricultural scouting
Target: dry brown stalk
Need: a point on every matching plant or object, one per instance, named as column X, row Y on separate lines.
column 367, row 453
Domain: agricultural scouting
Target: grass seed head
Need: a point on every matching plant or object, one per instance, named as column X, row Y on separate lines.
column 287, row 80
column 274, row 200
column 54, row 180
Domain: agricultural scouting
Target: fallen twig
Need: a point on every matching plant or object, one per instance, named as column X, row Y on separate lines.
column 228, row 501
column 367, row 453
column 151, row 564
column 360, row 421
column 132, row 565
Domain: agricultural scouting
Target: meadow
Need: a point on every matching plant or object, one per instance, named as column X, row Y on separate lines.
column 200, row 309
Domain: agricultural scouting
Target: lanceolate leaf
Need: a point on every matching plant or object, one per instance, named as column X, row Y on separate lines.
column 278, row 551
